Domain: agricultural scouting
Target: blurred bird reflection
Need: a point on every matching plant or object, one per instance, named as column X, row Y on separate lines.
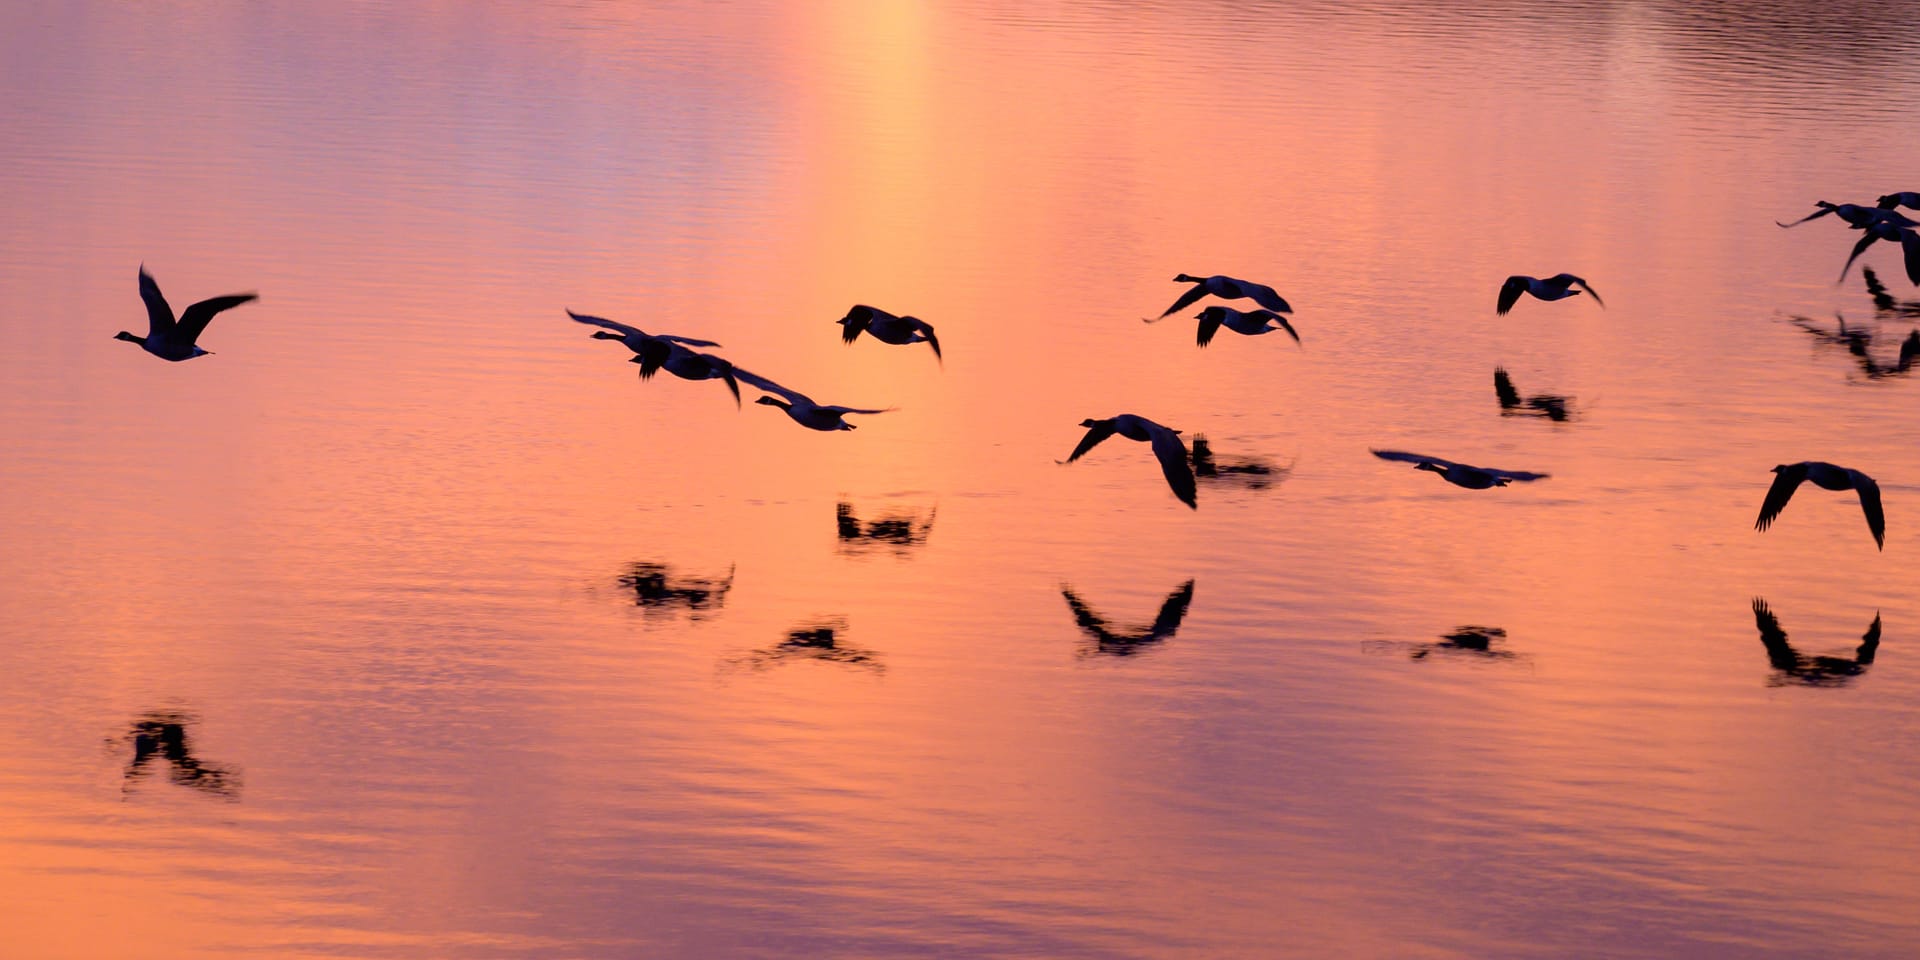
column 1125, row 643
column 1253, row 473
column 1793, row 668
column 160, row 738
column 899, row 530
column 1858, row 341
column 1470, row 641
column 657, row 591
column 819, row 640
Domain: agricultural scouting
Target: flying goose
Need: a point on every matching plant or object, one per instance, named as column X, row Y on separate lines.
column 173, row 340
column 1828, row 477
column 800, row 407
column 1166, row 446
column 1460, row 474
column 887, row 328
column 657, row 354
column 1857, row 215
column 1250, row 323
column 1226, row 288
column 634, row 337
column 1557, row 287
column 1905, row 198
column 1887, row 230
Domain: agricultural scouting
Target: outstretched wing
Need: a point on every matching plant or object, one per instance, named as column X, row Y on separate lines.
column 726, row 373
column 1910, row 248
column 1209, row 325
column 1503, row 388
column 159, row 314
column 844, row 410
column 1510, row 294
column 1588, row 287
column 756, row 380
column 1870, row 503
column 1521, row 476
column 198, row 315
column 1775, row 639
column 1175, row 466
column 1786, row 480
column 932, row 341
column 1284, row 325
column 1100, row 430
column 1823, row 211
column 1411, row 457
column 609, row 324
column 652, row 355
column 1264, row 296
column 1172, row 611
column 1186, row 300
column 1858, row 248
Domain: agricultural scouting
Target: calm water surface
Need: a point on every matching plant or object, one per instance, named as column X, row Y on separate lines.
column 411, row 624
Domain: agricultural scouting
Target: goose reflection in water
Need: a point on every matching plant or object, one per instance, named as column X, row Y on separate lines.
column 820, row 641
column 1126, row 643
column 1859, row 344
column 1883, row 300
column 1552, row 406
column 1468, row 641
column 898, row 530
column 161, row 737
column 1254, row 473
column 1793, row 668
column 656, row 590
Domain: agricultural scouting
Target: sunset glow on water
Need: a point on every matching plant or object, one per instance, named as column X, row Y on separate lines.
column 411, row 623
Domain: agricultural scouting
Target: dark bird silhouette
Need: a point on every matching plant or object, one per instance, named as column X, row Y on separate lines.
column 655, row 588
column 1789, row 476
column 899, row 530
column 1461, row 474
column 1226, row 288
column 635, row 338
column 1551, row 406
column 1855, row 215
column 1167, row 447
column 1906, row 198
column 887, row 328
column 657, row 354
column 162, row 736
column 1250, row 323
column 1884, row 229
column 1557, row 287
column 174, row 340
column 800, row 407
column 1793, row 667
column 1125, row 643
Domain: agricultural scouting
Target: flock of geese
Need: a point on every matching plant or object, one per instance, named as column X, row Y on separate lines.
column 177, row 338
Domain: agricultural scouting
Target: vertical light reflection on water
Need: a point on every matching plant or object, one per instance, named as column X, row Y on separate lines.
column 375, row 547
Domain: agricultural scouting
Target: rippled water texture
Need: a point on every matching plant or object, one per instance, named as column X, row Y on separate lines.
column 412, row 624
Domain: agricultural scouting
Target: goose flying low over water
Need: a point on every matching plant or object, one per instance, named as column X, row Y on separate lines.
column 887, row 328
column 1887, row 230
column 634, row 337
column 1789, row 476
column 1166, row 447
column 657, row 355
column 171, row 339
column 1460, row 474
column 800, row 407
column 1226, row 288
column 1250, row 323
column 1557, row 287
column 1856, row 214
